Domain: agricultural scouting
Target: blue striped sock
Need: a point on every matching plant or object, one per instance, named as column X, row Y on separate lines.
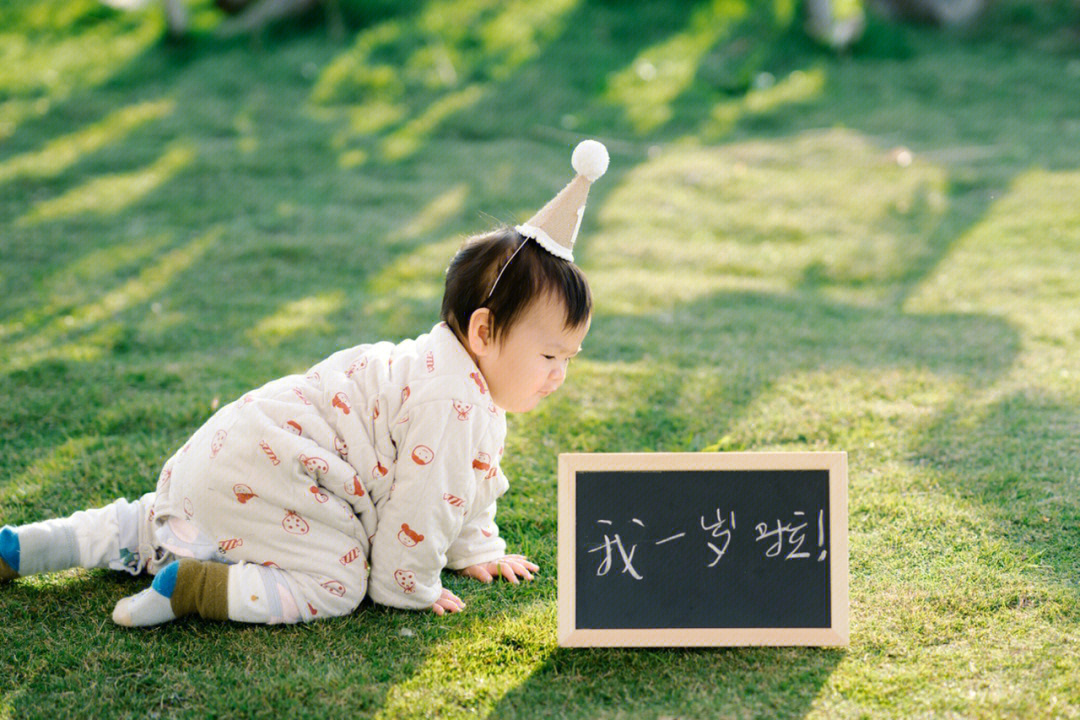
column 165, row 581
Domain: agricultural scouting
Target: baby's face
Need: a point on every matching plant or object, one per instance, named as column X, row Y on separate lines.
column 530, row 361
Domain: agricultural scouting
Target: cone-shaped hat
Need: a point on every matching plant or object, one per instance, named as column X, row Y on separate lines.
column 555, row 226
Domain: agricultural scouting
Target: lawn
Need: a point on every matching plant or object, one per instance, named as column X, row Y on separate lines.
column 876, row 252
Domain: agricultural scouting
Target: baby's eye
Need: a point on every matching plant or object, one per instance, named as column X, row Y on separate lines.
column 549, row 357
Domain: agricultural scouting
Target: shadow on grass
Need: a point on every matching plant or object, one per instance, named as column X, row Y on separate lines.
column 732, row 347
column 70, row 652
column 1018, row 460
column 720, row 683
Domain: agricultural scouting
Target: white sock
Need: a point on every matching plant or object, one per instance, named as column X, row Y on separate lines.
column 143, row 609
column 153, row 605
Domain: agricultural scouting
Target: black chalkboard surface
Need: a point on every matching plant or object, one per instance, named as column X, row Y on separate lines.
column 703, row 549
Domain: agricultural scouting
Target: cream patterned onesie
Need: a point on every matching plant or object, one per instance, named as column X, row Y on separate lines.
column 368, row 475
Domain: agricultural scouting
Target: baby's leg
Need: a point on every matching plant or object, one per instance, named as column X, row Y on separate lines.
column 245, row 592
column 107, row 537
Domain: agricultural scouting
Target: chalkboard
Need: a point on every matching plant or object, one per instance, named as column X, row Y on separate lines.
column 703, row 549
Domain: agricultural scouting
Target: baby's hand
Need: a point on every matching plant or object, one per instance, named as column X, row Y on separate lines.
column 448, row 602
column 508, row 566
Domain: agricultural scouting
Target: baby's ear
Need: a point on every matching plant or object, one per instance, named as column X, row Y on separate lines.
column 479, row 335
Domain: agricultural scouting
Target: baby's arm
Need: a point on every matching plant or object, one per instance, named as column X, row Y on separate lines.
column 478, row 542
column 480, row 553
column 419, row 520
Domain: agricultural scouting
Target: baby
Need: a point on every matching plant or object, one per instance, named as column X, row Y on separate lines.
column 367, row 475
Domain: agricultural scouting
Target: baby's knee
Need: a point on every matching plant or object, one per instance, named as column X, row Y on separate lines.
column 339, row 595
column 259, row 593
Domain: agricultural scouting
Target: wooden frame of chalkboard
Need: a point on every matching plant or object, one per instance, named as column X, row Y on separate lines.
column 709, row 531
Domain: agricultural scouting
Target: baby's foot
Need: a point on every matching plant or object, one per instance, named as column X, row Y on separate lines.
column 152, row 606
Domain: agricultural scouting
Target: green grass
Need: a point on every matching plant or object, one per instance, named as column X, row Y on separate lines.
column 181, row 221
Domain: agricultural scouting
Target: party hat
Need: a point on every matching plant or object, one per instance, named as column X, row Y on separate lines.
column 555, row 226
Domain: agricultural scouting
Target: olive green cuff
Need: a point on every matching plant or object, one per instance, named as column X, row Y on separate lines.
column 202, row 587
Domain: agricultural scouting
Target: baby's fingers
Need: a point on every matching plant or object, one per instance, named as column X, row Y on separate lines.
column 521, row 569
column 448, row 602
column 478, row 572
column 524, row 562
column 506, row 568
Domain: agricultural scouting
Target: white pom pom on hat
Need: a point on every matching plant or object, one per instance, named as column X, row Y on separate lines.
column 555, row 226
column 590, row 159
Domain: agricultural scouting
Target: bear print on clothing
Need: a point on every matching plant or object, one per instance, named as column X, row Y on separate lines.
column 409, row 537
column 463, row 410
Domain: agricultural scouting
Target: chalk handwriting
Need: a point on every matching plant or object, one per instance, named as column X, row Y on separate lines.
column 717, row 530
column 786, row 539
column 627, row 557
column 794, row 534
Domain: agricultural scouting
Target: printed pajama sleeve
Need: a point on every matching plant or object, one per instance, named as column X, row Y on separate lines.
column 419, row 522
column 478, row 542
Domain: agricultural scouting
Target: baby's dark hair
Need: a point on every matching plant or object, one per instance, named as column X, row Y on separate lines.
column 531, row 274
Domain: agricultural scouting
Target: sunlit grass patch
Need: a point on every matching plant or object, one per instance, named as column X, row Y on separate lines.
column 307, row 315
column 61, row 153
column 831, row 208
column 42, row 63
column 51, row 340
column 111, row 194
